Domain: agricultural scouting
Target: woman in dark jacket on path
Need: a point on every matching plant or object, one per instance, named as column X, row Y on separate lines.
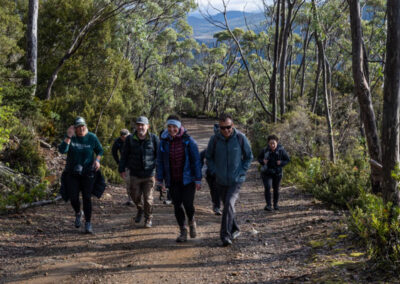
column 272, row 159
column 81, row 146
column 178, row 166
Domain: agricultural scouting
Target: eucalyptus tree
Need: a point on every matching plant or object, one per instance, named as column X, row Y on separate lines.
column 31, row 55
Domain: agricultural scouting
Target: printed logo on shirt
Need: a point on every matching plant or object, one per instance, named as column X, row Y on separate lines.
column 80, row 146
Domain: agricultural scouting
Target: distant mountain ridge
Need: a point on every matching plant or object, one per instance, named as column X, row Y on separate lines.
column 204, row 31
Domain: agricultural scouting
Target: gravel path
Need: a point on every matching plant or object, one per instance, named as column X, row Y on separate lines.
column 300, row 243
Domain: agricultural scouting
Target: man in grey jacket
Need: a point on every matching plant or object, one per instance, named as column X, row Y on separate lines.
column 229, row 157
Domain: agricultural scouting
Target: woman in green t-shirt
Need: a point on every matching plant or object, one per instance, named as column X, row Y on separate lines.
column 84, row 152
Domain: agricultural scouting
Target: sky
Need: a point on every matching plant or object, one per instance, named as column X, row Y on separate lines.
column 237, row 5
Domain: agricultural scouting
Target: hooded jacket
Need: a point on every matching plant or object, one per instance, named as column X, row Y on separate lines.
column 192, row 165
column 227, row 158
column 279, row 154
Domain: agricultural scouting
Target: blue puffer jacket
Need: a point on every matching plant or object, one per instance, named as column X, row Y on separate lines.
column 228, row 159
column 192, row 166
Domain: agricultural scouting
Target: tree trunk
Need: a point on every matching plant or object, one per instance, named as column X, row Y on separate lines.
column 272, row 84
column 391, row 93
column 321, row 53
column 32, row 42
column 282, row 61
column 362, row 91
column 303, row 61
column 314, row 105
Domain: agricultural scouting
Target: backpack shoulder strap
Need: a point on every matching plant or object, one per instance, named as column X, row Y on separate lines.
column 240, row 137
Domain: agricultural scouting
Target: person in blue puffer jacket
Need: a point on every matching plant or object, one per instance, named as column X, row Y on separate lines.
column 228, row 157
column 179, row 167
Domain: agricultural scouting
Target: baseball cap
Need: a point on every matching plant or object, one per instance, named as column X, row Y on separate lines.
column 79, row 121
column 142, row 120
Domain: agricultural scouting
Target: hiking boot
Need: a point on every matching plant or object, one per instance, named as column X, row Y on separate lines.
column 192, row 229
column 138, row 217
column 88, row 228
column 235, row 235
column 217, row 211
column 182, row 235
column 226, row 242
column 148, row 223
column 268, row 208
column 167, row 202
column 276, row 207
column 78, row 217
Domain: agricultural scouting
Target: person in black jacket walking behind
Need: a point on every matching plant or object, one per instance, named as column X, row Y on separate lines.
column 139, row 156
column 272, row 159
column 116, row 151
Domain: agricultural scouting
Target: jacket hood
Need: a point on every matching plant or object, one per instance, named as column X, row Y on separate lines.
column 165, row 134
column 216, row 128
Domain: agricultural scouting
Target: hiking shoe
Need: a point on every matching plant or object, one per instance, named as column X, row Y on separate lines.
column 192, row 229
column 276, row 207
column 217, row 211
column 129, row 203
column 148, row 223
column 267, row 208
column 88, row 228
column 182, row 236
column 235, row 235
column 226, row 242
column 167, row 202
column 138, row 217
column 78, row 217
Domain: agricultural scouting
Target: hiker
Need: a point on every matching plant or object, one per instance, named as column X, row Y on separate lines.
column 178, row 166
column 228, row 157
column 116, row 151
column 81, row 146
column 139, row 156
column 272, row 159
column 210, row 178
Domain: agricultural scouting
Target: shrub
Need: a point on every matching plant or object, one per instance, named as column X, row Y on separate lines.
column 337, row 184
column 378, row 226
column 23, row 154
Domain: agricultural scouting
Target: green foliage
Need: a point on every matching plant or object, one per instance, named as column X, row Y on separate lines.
column 22, row 153
column 339, row 185
column 20, row 195
column 111, row 175
column 378, row 226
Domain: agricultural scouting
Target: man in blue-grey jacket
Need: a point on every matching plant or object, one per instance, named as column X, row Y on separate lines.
column 229, row 157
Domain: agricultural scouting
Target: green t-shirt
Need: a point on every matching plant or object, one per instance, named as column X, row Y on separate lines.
column 81, row 151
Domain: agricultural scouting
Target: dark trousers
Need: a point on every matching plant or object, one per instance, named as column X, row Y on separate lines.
column 84, row 184
column 273, row 181
column 212, row 184
column 183, row 198
column 228, row 195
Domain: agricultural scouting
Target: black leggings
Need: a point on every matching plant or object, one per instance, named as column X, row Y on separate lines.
column 183, row 197
column 82, row 184
column 273, row 181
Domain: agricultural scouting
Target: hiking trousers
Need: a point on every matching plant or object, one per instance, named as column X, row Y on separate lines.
column 273, row 181
column 183, row 199
column 228, row 195
column 84, row 184
column 142, row 186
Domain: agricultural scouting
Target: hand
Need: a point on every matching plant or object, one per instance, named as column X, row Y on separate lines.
column 123, row 175
column 96, row 165
column 278, row 163
column 198, row 186
column 71, row 131
column 265, row 161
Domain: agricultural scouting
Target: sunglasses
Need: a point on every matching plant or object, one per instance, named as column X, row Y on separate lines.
column 225, row 127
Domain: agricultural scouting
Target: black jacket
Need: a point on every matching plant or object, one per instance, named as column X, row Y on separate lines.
column 99, row 185
column 278, row 155
column 139, row 156
column 117, row 147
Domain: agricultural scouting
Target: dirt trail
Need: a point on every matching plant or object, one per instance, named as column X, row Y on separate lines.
column 42, row 246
